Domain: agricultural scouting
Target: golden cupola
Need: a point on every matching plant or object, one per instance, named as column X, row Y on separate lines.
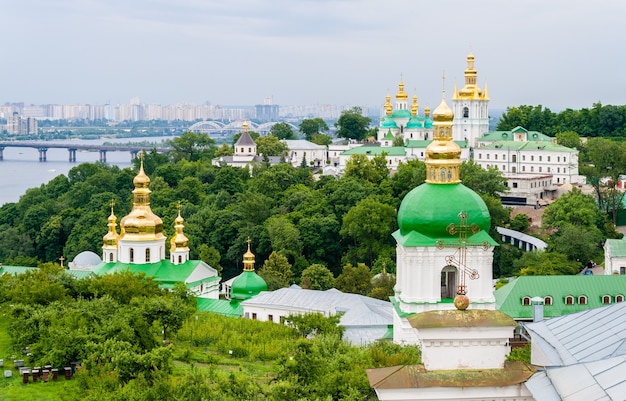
column 248, row 259
column 110, row 239
column 401, row 94
column 414, row 107
column 443, row 155
column 141, row 224
column 471, row 90
column 179, row 241
column 388, row 107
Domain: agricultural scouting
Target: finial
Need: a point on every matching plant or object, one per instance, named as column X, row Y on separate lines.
column 62, row 259
column 112, row 204
column 248, row 241
column 443, row 85
column 178, row 206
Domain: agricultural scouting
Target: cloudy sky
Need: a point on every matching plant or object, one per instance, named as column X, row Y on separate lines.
column 558, row 53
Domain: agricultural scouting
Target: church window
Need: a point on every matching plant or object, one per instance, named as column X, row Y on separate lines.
column 515, row 158
column 180, row 259
column 564, row 161
column 514, row 169
column 619, row 298
column 532, row 158
column 243, row 150
column 250, row 150
column 270, row 318
column 465, row 112
column 539, row 158
column 448, row 282
column 558, row 169
column 548, row 169
column 148, row 255
column 548, row 158
column 582, row 300
column 523, row 158
column 131, row 255
column 480, row 156
column 442, row 174
column 547, row 300
column 523, row 168
column 569, row 300
column 526, row 301
column 487, row 156
column 540, row 169
column 515, row 185
column 503, row 167
column 606, row 299
column 495, row 156
column 254, row 316
column 503, row 157
column 111, row 257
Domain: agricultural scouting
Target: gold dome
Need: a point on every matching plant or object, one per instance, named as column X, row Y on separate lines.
column 443, row 155
column 110, row 238
column 401, row 94
column 179, row 241
column 443, row 112
column 248, row 259
column 414, row 106
column 388, row 107
column 141, row 224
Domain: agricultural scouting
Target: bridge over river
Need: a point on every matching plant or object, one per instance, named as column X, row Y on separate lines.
column 72, row 148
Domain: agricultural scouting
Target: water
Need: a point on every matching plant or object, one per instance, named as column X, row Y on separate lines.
column 21, row 168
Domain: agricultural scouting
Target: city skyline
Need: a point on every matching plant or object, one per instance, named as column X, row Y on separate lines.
column 558, row 54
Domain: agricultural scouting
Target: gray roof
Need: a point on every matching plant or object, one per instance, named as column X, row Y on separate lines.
column 599, row 380
column 365, row 319
column 302, row 144
column 539, row 244
column 245, row 140
column 587, row 336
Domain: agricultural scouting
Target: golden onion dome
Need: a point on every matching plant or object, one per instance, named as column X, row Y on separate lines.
column 248, row 259
column 401, row 94
column 443, row 112
column 179, row 241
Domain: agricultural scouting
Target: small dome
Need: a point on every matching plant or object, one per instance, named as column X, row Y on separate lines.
column 247, row 285
column 401, row 114
column 85, row 260
column 389, row 123
column 429, row 208
column 415, row 122
column 141, row 180
column 443, row 112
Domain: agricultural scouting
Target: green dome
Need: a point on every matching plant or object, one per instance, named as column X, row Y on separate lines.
column 428, row 123
column 401, row 114
column 415, row 122
column 389, row 123
column 429, row 208
column 247, row 285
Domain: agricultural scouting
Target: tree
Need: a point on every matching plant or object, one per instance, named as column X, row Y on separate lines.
column 520, row 222
column 569, row 139
column 382, row 286
column 540, row 263
column 352, row 124
column 224, row 150
column 578, row 245
column 361, row 167
column 192, row 146
column 271, row 146
column 398, row 140
column 489, row 182
column 409, row 175
column 284, row 235
column 574, row 208
column 317, row 277
column 310, row 127
column 276, row 269
column 321, row 139
column 210, row 256
column 355, row 280
column 169, row 311
column 369, row 225
column 282, row 131
column 312, row 324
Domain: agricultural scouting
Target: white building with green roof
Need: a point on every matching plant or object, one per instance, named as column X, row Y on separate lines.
column 615, row 256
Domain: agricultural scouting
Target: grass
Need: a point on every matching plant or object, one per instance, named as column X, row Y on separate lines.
column 12, row 389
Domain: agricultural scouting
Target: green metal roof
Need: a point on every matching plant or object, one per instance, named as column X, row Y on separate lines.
column 389, row 136
column 415, row 122
column 164, row 272
column 617, row 247
column 23, row 269
column 375, row 151
column 509, row 297
column 509, row 135
column 401, row 114
column 388, row 122
column 220, row 306
column 247, row 285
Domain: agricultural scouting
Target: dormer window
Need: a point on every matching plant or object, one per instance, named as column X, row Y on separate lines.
column 582, row 300
column 526, row 301
column 606, row 299
column 569, row 300
column 619, row 298
column 547, row 300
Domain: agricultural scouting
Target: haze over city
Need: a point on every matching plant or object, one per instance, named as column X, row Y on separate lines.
column 561, row 53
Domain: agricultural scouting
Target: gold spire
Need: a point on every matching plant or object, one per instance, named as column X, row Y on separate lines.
column 110, row 239
column 443, row 155
column 427, row 111
column 141, row 224
column 401, row 94
column 179, row 241
column 414, row 106
column 388, row 107
column 470, row 91
column 248, row 259
column 245, row 126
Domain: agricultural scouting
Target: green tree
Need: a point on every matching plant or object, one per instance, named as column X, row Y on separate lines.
column 398, row 140
column 312, row 324
column 489, row 182
column 321, row 139
column 310, row 127
column 355, row 279
column 574, row 208
column 282, row 131
column 224, row 150
column 382, row 286
column 569, row 139
column 369, row 225
column 352, row 124
column 276, row 270
column 210, row 256
column 409, row 175
column 192, row 146
column 539, row 263
column 520, row 222
column 284, row 235
column 361, row 167
column 579, row 245
column 271, row 146
column 317, row 277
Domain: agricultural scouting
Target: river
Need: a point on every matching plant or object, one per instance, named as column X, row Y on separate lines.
column 21, row 168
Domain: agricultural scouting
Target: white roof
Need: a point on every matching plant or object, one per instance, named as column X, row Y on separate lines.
column 586, row 336
column 301, row 144
column 599, row 380
column 363, row 317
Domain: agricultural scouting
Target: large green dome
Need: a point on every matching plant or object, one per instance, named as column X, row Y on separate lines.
column 247, row 285
column 428, row 209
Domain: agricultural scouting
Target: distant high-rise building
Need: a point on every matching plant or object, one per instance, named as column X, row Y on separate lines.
column 16, row 125
column 266, row 111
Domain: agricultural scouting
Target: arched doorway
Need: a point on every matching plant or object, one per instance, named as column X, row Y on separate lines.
column 448, row 282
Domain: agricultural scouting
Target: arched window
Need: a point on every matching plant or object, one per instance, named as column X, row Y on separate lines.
column 448, row 282
column 465, row 112
column 111, row 257
column 547, row 300
column 147, row 254
column 582, row 300
column 526, row 301
column 131, row 254
column 606, row 299
column 619, row 298
column 180, row 259
column 513, row 169
column 569, row 300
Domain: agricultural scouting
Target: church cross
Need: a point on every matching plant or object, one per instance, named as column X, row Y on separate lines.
column 462, row 229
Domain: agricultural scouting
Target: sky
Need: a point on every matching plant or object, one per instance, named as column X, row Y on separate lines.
column 556, row 53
